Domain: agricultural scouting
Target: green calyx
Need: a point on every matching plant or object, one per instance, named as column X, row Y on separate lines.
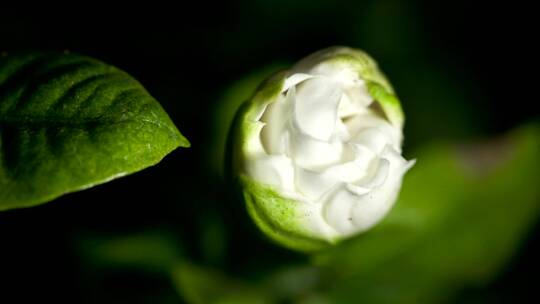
column 278, row 217
column 69, row 122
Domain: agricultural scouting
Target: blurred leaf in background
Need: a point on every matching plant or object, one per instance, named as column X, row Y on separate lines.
column 131, row 267
column 154, row 251
column 198, row 285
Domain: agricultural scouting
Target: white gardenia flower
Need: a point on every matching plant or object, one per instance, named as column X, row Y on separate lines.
column 317, row 150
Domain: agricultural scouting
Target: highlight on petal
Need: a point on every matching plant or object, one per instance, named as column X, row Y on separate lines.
column 315, row 107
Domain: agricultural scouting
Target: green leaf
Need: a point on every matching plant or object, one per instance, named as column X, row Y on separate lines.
column 462, row 214
column 69, row 122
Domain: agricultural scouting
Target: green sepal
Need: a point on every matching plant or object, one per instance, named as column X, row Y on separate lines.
column 278, row 217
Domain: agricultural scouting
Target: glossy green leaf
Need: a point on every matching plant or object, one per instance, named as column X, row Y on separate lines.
column 462, row 214
column 69, row 122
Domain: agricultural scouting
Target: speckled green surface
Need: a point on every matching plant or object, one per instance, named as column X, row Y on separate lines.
column 278, row 217
column 69, row 122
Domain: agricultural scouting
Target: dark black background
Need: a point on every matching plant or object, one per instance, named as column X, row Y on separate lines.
column 188, row 54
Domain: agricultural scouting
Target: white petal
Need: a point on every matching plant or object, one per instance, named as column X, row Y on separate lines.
column 348, row 108
column 275, row 170
column 371, row 207
column 378, row 177
column 276, row 117
column 295, row 79
column 352, row 170
column 311, row 183
column 341, row 132
column 347, row 172
column 373, row 139
column 316, row 105
column 357, row 92
column 363, row 129
column 337, row 210
column 312, row 153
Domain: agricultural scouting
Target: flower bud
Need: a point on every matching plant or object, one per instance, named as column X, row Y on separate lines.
column 317, row 150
